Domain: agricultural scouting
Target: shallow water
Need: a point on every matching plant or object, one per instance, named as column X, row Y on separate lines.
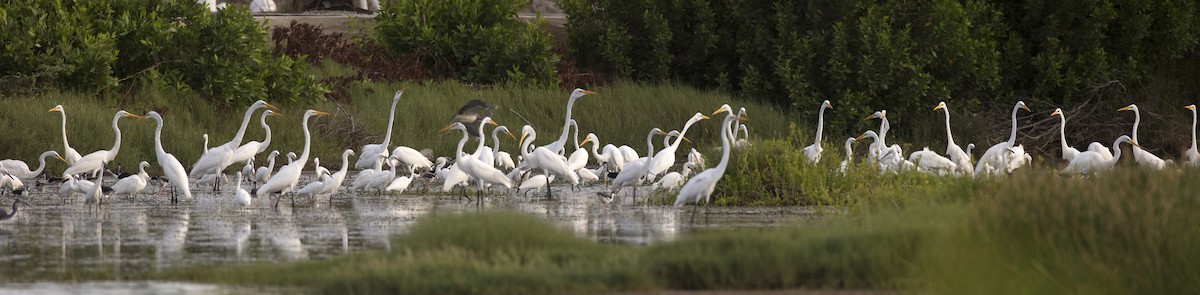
column 146, row 234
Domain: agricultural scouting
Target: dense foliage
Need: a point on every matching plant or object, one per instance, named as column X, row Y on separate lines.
column 472, row 40
column 104, row 45
column 902, row 56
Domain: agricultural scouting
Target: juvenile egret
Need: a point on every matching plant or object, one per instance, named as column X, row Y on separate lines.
column 19, row 169
column 955, row 153
column 362, row 180
column 1193, row 157
column 380, row 179
column 1144, row 158
column 69, row 154
column 665, row 158
column 216, row 159
column 312, row 189
column 634, row 171
column 849, row 156
column 262, row 174
column 674, row 180
column 1092, row 162
column 544, row 158
column 94, row 162
column 813, row 151
column 369, row 154
column 335, row 180
column 703, row 184
column 558, row 146
column 247, row 151
column 241, row 196
column 994, row 156
column 744, row 140
column 287, row 177
column 133, row 184
column 171, row 167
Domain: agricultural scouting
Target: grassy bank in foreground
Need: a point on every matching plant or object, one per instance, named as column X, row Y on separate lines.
column 621, row 114
column 1125, row 233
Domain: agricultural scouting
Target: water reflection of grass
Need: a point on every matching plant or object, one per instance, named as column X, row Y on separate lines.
column 1127, row 232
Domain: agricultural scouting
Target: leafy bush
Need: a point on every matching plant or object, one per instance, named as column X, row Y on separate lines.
column 99, row 45
column 472, row 40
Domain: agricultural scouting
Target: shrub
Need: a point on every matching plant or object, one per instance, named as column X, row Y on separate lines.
column 100, row 45
column 472, row 40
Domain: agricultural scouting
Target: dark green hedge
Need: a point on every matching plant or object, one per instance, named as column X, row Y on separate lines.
column 105, row 45
column 899, row 55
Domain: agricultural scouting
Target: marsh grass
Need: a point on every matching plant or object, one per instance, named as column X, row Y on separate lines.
column 621, row 114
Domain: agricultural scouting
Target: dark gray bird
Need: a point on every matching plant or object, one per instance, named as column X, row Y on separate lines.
column 9, row 215
column 472, row 113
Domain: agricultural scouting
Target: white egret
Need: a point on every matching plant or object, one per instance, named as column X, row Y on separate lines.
column 611, row 157
column 69, row 154
column 849, row 156
column 291, row 156
column 696, row 158
column 171, row 167
column 205, row 150
column 665, row 158
column 380, row 179
column 703, row 184
column 399, row 184
column 481, row 171
column 92, row 163
column 928, row 161
column 970, row 147
column 312, row 189
column 335, row 180
column 586, row 175
column 240, row 195
column 1192, row 155
column 878, row 147
column 248, row 150
column 287, row 176
column 1068, row 152
column 744, row 140
column 1092, row 162
column 248, row 169
column 1143, row 158
column 813, row 151
column 674, row 180
column 262, row 174
column 634, row 171
column 578, row 158
column 502, row 159
column 263, row 6
column 544, row 158
column 96, row 194
column 953, row 151
column 133, row 184
column 369, row 154
column 413, row 158
column 1017, row 158
column 19, row 169
column 559, row 145
column 994, row 156
column 216, row 159
column 362, row 180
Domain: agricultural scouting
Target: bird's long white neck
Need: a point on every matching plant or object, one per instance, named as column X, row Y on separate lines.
column 1116, row 150
column 462, row 142
column 1062, row 131
column 562, row 138
column 820, row 125
column 266, row 141
column 482, row 139
column 725, row 145
column 345, row 162
column 849, row 150
column 495, row 145
column 1137, row 120
column 884, row 126
column 650, row 145
column 1012, row 137
column 949, row 134
column 686, row 126
column 117, row 142
column 237, row 138
column 596, row 151
column 307, row 144
column 42, row 163
column 387, row 138
column 66, row 145
column 158, row 138
column 529, row 137
column 1193, row 129
column 271, row 160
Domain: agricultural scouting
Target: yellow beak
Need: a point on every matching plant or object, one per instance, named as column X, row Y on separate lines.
column 1126, row 108
column 1026, row 108
column 444, row 129
column 585, row 141
column 1190, row 107
column 1134, row 143
column 521, row 142
column 271, row 106
column 718, row 111
column 703, row 117
column 686, row 139
column 939, row 106
column 1056, row 112
column 743, row 118
column 55, row 109
column 320, row 113
column 514, row 137
column 60, row 158
column 589, row 92
column 133, row 116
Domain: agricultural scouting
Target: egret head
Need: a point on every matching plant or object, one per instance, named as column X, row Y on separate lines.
column 271, row 113
column 398, row 93
column 722, row 109
column 1056, row 112
column 1021, row 104
column 505, row 130
column 658, row 131
column 877, row 115
column 579, row 92
column 310, row 113
column 591, row 137
column 1190, row 107
column 869, row 133
column 941, row 105
column 123, row 113
column 57, row 108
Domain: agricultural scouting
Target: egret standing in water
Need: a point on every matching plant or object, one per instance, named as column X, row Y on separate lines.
column 703, row 184
column 287, row 177
column 171, row 167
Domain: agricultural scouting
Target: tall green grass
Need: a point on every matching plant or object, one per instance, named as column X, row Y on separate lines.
column 620, row 114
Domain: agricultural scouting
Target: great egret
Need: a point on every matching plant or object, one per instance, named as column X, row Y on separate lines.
column 849, row 156
column 673, row 180
column 970, row 147
column 544, row 158
column 241, row 196
column 813, row 151
column 1068, row 152
column 502, row 159
column 9, row 215
column 559, row 145
column 878, row 147
column 362, row 180
column 92, row 163
column 611, row 157
column 380, row 179
column 578, row 158
column 19, row 169
column 1144, row 158
column 485, row 173
column 1193, row 157
column 69, row 153
column 928, row 161
column 248, row 169
column 413, row 158
column 665, row 158
column 399, row 184
column 247, row 151
column 288, row 175
column 133, row 184
column 262, row 174
column 205, row 150
column 12, row 182
column 335, row 180
column 291, row 156
column 369, row 154
column 994, row 156
column 703, row 184
column 97, row 194
column 216, row 159
column 634, row 171
column 696, row 158
column 744, row 140
column 169, row 164
column 1091, row 162
column 955, row 153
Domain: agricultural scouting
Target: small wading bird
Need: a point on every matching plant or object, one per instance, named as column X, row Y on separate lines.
column 171, row 167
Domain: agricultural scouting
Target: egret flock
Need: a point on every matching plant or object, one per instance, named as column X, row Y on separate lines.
column 382, row 168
